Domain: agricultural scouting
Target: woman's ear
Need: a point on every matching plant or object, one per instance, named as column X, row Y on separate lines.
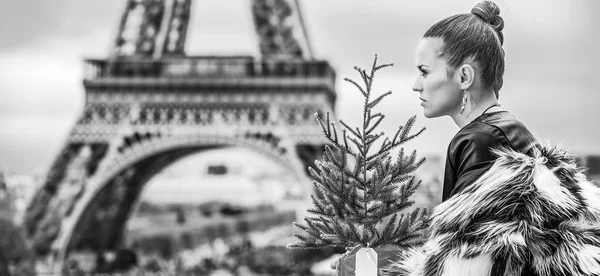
column 466, row 75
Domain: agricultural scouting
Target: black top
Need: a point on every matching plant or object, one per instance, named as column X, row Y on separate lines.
column 469, row 153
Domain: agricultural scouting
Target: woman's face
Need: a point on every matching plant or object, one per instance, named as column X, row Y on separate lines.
column 439, row 92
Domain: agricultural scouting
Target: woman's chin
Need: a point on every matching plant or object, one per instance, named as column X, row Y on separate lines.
column 429, row 115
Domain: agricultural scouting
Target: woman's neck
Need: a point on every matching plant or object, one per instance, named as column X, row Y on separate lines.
column 474, row 108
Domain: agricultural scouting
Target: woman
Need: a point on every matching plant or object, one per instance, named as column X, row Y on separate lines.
column 510, row 206
column 461, row 62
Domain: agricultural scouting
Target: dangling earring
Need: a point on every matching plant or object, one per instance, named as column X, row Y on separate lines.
column 462, row 108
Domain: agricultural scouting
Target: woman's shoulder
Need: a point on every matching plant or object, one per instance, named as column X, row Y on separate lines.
column 493, row 129
column 477, row 132
column 470, row 150
column 517, row 135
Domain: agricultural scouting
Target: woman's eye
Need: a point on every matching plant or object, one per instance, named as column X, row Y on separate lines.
column 423, row 73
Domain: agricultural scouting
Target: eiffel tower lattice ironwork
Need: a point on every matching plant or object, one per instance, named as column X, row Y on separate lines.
column 149, row 104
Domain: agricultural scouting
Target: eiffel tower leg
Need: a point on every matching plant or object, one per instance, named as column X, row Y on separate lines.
column 63, row 187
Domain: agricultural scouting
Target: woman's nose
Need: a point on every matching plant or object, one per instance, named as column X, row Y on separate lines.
column 417, row 87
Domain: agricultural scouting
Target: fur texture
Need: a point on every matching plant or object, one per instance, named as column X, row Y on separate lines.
column 537, row 209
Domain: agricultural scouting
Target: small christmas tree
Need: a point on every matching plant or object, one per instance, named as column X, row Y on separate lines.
column 362, row 192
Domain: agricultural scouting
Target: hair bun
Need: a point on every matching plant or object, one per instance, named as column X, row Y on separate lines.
column 490, row 13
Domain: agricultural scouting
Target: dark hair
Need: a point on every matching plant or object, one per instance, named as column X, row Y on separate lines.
column 476, row 35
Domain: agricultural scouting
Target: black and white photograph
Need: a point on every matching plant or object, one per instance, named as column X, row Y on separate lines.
column 300, row 138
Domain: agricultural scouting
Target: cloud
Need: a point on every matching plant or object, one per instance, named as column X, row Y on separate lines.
column 30, row 144
column 29, row 22
column 39, row 85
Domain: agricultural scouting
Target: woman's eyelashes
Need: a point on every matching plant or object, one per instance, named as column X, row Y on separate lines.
column 423, row 71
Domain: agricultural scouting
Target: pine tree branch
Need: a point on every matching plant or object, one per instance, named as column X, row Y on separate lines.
column 351, row 130
column 378, row 155
column 354, row 231
column 306, row 239
column 346, row 142
column 319, row 213
column 313, row 230
column 368, row 118
column 365, row 78
column 402, row 134
column 331, row 238
column 372, row 161
column 379, row 119
column 406, row 239
column 372, row 76
column 358, row 145
column 322, row 228
column 329, row 136
column 401, row 178
column 305, row 245
column 327, row 224
column 374, row 208
column 302, row 238
column 342, row 167
column 372, row 117
column 387, row 229
column 302, row 227
column 318, row 205
column 334, row 133
column 371, row 138
column 340, row 232
column 327, row 186
column 383, row 66
column 378, row 99
column 357, row 86
column 337, row 205
column 373, row 234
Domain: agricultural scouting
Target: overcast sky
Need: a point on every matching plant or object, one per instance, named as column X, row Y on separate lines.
column 551, row 81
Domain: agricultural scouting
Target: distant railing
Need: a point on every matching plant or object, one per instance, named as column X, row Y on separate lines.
column 206, row 67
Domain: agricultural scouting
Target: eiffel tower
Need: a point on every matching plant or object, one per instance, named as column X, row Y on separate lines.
column 149, row 104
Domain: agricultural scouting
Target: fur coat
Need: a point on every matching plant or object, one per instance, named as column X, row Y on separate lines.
column 538, row 210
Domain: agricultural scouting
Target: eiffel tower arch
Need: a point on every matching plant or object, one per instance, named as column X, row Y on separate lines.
column 149, row 104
